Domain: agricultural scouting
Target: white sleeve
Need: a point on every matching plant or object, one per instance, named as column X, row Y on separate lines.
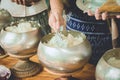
column 21, row 10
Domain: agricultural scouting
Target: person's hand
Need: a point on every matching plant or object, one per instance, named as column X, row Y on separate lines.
column 56, row 20
column 104, row 15
column 25, row 2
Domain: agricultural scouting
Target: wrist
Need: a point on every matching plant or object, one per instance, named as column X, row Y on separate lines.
column 57, row 11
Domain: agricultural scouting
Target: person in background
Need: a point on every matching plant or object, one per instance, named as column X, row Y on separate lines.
column 35, row 10
column 96, row 27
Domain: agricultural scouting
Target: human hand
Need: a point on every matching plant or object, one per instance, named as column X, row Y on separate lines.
column 55, row 20
column 25, row 2
column 104, row 15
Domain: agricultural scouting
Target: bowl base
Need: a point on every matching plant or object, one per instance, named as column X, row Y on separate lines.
column 64, row 76
column 3, row 55
column 26, row 69
column 61, row 73
column 56, row 73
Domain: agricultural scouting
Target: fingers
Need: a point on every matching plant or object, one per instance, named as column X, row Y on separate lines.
column 12, row 0
column 20, row 1
column 25, row 2
column 118, row 16
column 55, row 21
column 52, row 21
column 36, row 0
column 97, row 14
column 59, row 20
column 90, row 13
column 17, row 1
column 104, row 16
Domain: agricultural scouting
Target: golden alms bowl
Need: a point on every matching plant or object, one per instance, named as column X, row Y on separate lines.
column 64, row 60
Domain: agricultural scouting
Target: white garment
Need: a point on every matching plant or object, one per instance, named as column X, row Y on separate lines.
column 21, row 10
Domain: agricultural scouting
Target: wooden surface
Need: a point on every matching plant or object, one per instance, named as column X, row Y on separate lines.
column 87, row 73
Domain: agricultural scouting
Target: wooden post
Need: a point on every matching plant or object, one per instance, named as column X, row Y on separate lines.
column 115, row 33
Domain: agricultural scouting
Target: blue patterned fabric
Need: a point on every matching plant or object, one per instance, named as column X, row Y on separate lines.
column 97, row 33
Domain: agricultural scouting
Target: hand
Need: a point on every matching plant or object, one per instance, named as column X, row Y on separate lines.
column 55, row 20
column 98, row 15
column 25, row 2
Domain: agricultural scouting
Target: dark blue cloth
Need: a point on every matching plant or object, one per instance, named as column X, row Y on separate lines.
column 97, row 33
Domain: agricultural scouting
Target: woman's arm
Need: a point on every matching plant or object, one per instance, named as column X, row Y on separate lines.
column 56, row 14
column 56, row 6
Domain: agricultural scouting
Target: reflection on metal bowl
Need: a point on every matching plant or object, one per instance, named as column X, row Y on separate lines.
column 108, row 67
column 22, row 46
column 17, row 42
column 64, row 60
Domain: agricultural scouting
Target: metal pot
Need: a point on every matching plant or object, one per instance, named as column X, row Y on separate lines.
column 16, row 42
column 107, row 71
column 64, row 60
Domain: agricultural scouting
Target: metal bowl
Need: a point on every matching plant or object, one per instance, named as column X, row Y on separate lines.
column 107, row 71
column 14, row 43
column 64, row 60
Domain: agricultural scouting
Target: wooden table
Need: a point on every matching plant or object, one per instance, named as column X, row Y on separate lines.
column 87, row 73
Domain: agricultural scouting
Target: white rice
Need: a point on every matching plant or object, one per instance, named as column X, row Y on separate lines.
column 66, row 41
column 114, row 61
column 21, row 27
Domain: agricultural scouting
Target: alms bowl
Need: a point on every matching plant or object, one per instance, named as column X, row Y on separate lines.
column 64, row 60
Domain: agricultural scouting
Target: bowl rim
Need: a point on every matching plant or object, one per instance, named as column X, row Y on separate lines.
column 52, row 34
column 4, row 29
column 110, row 52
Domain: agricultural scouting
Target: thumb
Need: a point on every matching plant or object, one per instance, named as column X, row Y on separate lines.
column 58, row 25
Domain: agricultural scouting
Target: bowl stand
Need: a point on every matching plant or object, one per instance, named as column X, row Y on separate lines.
column 2, row 53
column 63, row 76
column 24, row 67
